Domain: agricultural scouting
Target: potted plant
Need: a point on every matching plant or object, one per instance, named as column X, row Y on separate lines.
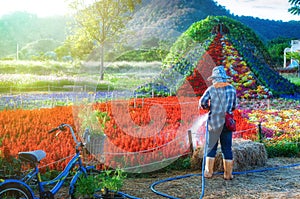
column 113, row 182
column 92, row 124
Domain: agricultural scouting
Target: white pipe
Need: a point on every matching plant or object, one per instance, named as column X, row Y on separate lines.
column 285, row 51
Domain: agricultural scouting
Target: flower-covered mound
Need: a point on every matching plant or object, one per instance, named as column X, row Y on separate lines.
column 198, row 50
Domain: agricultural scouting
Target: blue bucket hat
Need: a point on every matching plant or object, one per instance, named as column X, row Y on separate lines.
column 218, row 72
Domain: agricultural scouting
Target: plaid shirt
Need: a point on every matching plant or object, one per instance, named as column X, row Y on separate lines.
column 218, row 101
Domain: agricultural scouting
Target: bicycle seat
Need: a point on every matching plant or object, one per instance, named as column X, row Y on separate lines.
column 32, row 156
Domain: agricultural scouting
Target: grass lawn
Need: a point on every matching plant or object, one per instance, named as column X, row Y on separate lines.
column 37, row 76
column 293, row 78
column 30, row 76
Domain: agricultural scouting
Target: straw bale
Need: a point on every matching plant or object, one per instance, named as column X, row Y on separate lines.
column 246, row 154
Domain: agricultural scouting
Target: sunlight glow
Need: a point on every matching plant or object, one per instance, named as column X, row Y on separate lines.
column 42, row 8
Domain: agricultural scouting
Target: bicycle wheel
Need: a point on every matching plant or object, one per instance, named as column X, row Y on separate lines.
column 92, row 176
column 14, row 191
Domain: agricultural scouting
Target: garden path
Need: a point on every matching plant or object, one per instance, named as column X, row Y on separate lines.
column 280, row 183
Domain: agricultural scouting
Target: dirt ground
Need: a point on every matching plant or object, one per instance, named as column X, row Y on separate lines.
column 274, row 183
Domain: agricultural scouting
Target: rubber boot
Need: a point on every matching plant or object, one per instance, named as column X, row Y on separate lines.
column 228, row 165
column 209, row 167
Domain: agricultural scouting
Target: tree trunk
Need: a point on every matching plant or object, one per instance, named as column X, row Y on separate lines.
column 102, row 62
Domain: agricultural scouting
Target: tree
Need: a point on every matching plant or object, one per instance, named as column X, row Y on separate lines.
column 295, row 9
column 100, row 22
column 276, row 48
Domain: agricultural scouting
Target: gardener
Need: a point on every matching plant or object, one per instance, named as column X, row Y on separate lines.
column 219, row 98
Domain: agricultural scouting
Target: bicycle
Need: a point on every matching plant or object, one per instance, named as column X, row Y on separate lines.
column 21, row 189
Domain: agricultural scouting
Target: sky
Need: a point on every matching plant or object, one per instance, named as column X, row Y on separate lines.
column 265, row 9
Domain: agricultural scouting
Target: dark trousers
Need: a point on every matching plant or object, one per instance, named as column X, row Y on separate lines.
column 226, row 145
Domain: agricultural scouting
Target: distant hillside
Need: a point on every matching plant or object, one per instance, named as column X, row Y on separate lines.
column 168, row 19
column 270, row 29
column 23, row 28
column 163, row 19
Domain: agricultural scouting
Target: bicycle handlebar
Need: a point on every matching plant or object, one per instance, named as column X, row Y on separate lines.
column 62, row 128
column 53, row 130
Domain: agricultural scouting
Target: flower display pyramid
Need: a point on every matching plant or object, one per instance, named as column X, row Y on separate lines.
column 217, row 41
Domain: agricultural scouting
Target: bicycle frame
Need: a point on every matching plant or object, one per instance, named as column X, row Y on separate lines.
column 59, row 180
